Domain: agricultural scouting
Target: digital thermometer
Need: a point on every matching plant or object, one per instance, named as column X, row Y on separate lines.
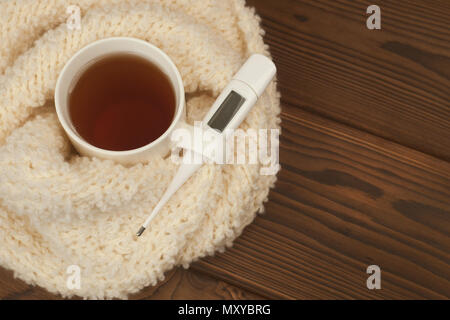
column 227, row 112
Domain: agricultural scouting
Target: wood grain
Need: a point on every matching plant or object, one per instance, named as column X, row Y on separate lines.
column 393, row 83
column 345, row 200
column 189, row 284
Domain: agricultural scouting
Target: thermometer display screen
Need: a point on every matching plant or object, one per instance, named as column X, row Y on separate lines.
column 226, row 111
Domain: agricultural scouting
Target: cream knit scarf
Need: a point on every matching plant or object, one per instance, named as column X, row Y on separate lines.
column 58, row 209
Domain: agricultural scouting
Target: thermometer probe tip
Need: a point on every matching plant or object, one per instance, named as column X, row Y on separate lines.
column 141, row 231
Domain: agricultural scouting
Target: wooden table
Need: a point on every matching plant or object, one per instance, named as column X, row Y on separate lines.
column 365, row 151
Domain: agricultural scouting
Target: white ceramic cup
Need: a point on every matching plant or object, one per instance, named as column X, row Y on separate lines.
column 82, row 60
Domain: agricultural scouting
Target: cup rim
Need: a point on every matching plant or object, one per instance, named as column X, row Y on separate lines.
column 112, row 153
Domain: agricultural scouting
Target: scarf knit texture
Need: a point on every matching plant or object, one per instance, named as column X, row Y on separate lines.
column 58, row 208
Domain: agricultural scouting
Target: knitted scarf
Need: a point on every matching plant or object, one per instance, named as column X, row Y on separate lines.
column 59, row 209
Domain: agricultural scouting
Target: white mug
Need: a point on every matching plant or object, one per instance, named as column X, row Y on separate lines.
column 95, row 51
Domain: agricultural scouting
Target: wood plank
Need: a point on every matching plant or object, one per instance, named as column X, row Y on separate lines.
column 178, row 284
column 194, row 285
column 345, row 200
column 393, row 82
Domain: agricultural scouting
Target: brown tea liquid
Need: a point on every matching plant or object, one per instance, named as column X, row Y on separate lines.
column 122, row 102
